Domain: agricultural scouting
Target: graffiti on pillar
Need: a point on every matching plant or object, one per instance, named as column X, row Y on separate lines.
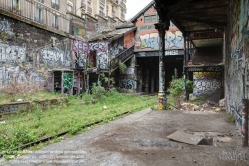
column 5, row 30
column 206, row 82
column 126, row 84
column 12, row 53
column 80, row 49
column 67, row 80
column 101, row 49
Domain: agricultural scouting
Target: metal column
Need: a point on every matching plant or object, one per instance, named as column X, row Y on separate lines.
column 162, row 100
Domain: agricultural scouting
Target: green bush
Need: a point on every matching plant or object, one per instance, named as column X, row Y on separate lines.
column 176, row 87
column 98, row 91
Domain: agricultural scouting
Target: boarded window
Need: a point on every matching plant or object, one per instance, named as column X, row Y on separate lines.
column 150, row 18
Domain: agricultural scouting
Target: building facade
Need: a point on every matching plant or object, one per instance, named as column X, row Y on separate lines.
column 115, row 9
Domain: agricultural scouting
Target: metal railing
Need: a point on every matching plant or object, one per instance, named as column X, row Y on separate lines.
column 38, row 19
column 26, row 11
column 115, row 1
column 41, row 1
column 101, row 14
column 55, row 25
column 123, row 56
column 55, row 6
column 89, row 9
column 83, row 5
column 122, row 15
column 102, row 1
column 122, row 4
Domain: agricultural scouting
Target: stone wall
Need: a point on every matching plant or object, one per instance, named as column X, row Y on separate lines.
column 27, row 53
column 236, row 63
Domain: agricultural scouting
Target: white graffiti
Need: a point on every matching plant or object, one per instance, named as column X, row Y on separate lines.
column 114, row 51
column 130, row 70
column 98, row 46
column 206, row 85
column 52, row 55
column 18, row 74
column 12, row 53
column 102, row 60
column 100, row 27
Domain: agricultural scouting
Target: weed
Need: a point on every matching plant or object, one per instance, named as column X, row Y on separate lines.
column 122, row 67
column 231, row 119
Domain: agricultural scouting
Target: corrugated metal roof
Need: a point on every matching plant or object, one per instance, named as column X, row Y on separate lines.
column 112, row 35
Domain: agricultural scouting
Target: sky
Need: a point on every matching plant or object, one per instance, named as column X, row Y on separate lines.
column 135, row 6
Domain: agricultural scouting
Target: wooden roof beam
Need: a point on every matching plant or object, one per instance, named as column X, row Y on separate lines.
column 179, row 5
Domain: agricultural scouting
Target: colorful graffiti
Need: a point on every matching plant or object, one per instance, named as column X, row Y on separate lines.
column 80, row 49
column 12, row 53
column 67, row 80
column 150, row 41
column 206, row 82
column 126, row 84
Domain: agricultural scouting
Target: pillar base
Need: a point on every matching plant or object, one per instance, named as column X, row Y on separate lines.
column 162, row 101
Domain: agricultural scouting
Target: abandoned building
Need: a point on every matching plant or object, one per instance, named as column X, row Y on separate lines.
column 65, row 47
column 216, row 48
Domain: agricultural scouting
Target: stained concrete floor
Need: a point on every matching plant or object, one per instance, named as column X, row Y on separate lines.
column 141, row 139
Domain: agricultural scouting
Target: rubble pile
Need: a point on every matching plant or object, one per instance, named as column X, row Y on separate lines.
column 208, row 106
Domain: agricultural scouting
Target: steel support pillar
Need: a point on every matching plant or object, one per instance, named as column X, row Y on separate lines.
column 162, row 100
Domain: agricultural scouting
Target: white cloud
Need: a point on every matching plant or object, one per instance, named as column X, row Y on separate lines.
column 135, row 6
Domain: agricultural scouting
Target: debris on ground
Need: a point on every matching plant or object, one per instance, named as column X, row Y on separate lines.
column 181, row 136
column 208, row 106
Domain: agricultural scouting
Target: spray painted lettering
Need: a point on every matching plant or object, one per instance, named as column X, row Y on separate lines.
column 126, row 84
column 12, row 53
column 114, row 51
column 81, row 50
column 101, row 49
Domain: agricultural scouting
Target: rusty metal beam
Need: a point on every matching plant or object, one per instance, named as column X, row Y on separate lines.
column 205, row 21
column 178, row 5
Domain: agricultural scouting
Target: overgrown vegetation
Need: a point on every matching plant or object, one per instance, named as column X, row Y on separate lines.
column 27, row 127
column 26, row 91
column 122, row 67
column 176, row 88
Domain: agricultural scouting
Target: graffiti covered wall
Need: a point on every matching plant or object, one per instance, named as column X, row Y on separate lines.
column 116, row 47
column 206, row 83
column 236, row 62
column 101, row 49
column 147, row 39
column 28, row 54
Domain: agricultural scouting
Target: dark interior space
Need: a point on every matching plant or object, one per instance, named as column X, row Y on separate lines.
column 148, row 72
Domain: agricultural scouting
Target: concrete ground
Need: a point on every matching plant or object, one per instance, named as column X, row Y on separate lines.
column 141, row 139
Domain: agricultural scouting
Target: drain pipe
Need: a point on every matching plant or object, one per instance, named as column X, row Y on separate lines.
column 245, row 122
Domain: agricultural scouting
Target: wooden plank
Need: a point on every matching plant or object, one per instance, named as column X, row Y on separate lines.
column 183, row 137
